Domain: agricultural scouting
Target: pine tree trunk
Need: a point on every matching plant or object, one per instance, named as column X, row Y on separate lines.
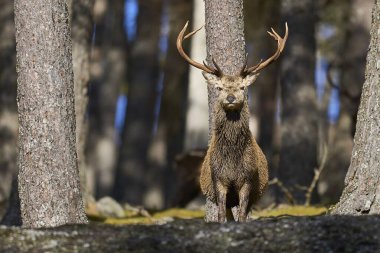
column 197, row 114
column 81, row 34
column 8, row 107
column 133, row 176
column 108, row 76
column 49, row 185
column 361, row 194
column 299, row 115
column 225, row 43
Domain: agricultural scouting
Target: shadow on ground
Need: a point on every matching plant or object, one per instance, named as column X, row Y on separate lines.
column 286, row 234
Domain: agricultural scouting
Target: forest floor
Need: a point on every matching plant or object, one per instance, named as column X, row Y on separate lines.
column 170, row 232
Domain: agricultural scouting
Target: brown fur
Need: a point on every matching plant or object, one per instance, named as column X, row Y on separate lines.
column 235, row 170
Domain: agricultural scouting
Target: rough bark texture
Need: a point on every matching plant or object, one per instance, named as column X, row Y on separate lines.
column 8, row 107
column 299, row 136
column 225, row 43
column 108, row 76
column 292, row 235
column 48, row 179
column 81, row 34
column 170, row 137
column 133, row 175
column 361, row 194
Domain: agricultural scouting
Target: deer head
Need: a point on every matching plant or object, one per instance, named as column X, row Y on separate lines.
column 231, row 90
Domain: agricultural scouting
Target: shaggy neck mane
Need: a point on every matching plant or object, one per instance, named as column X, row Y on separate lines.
column 232, row 127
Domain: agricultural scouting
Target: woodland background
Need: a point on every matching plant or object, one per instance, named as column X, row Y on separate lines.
column 146, row 123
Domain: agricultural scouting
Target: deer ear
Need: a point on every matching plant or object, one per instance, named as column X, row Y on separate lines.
column 250, row 79
column 211, row 78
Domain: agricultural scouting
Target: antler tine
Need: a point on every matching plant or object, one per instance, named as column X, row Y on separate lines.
column 280, row 47
column 243, row 69
column 180, row 39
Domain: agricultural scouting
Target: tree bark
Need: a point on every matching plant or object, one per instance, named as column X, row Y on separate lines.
column 299, row 115
column 8, row 107
column 226, row 44
column 49, row 185
column 361, row 194
column 108, row 77
column 133, row 176
column 81, row 34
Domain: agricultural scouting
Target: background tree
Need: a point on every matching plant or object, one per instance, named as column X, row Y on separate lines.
column 8, row 107
column 108, row 77
column 132, row 176
column 48, row 179
column 361, row 194
column 81, row 35
column 344, row 51
column 172, row 118
column 299, row 115
column 225, row 43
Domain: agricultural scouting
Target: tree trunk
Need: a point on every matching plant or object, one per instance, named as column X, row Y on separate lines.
column 225, row 43
column 197, row 114
column 299, row 115
column 108, row 76
column 8, row 107
column 133, row 176
column 361, row 194
column 171, row 125
column 81, row 34
column 48, row 179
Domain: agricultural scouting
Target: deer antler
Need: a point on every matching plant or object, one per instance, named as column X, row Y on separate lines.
column 280, row 47
column 198, row 65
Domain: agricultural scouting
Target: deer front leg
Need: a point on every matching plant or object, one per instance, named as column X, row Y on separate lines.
column 243, row 202
column 221, row 199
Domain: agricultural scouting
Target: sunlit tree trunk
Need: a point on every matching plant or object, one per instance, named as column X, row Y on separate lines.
column 361, row 194
column 299, row 115
column 197, row 113
column 133, row 175
column 225, row 43
column 49, row 185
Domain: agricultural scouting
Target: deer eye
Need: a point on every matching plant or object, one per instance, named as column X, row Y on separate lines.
column 219, row 88
column 242, row 88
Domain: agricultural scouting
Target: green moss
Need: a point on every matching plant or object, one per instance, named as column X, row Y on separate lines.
column 290, row 211
column 179, row 214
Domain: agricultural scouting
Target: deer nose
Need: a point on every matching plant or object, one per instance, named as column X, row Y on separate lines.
column 230, row 98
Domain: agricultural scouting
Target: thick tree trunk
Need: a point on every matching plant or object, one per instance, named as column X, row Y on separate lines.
column 133, row 175
column 299, row 115
column 361, row 194
column 172, row 120
column 108, row 76
column 225, row 43
column 48, row 179
column 8, row 107
column 81, row 34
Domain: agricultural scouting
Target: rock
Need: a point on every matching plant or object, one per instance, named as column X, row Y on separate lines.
column 289, row 234
column 109, row 207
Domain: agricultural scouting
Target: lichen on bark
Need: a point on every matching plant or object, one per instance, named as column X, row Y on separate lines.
column 48, row 179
